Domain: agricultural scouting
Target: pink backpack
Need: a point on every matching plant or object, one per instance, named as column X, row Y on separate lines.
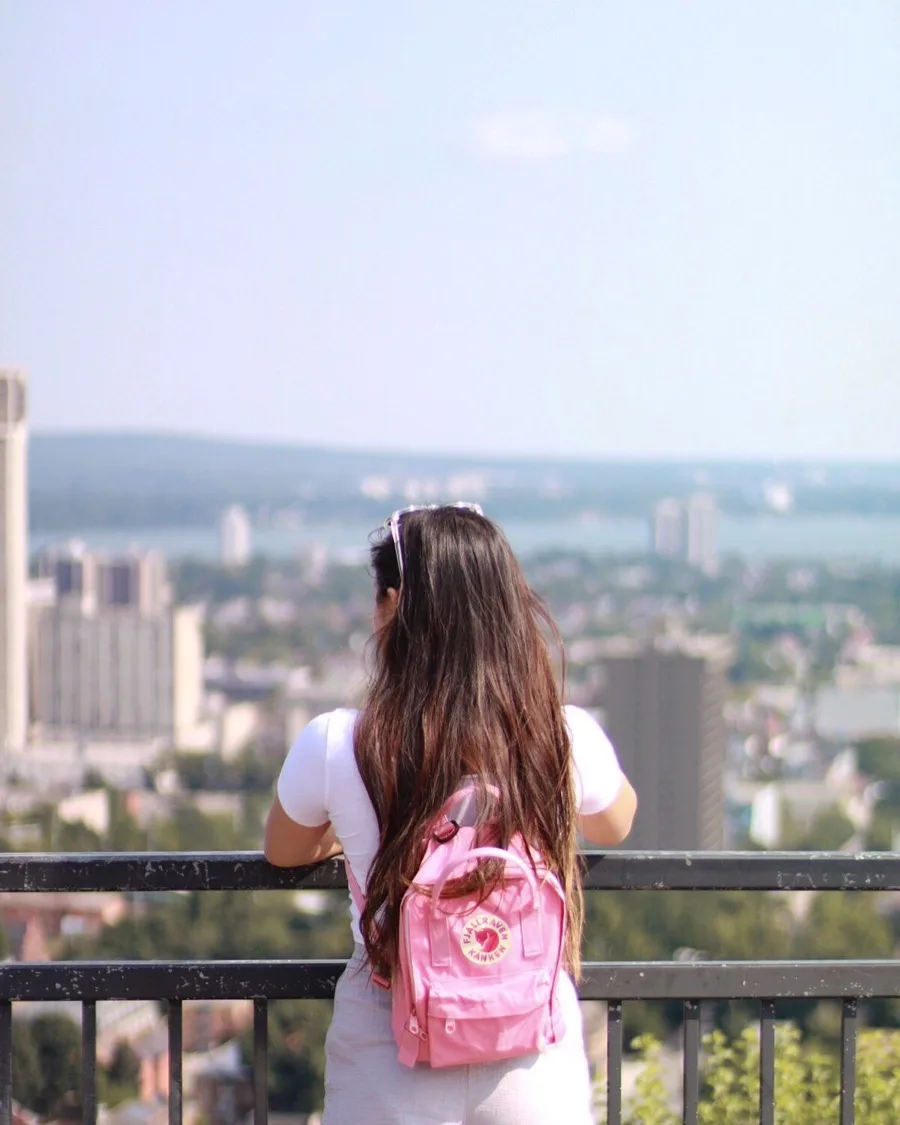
column 476, row 981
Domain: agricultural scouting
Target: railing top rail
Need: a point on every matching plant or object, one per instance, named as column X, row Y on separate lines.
column 316, row 980
column 246, row 871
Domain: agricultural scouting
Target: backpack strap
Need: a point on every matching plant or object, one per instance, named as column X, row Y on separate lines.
column 465, row 790
column 359, row 899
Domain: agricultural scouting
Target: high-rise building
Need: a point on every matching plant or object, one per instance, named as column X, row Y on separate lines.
column 662, row 702
column 112, row 658
column 136, row 581
column 235, row 537
column 687, row 530
column 668, row 529
column 13, row 561
column 703, row 532
column 72, row 571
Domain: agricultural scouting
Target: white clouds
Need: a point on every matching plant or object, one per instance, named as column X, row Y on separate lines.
column 541, row 135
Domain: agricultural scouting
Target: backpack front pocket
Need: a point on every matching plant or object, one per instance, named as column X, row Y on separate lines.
column 476, row 1021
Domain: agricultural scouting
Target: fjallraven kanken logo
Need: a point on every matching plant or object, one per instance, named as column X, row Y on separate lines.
column 485, row 939
column 477, row 974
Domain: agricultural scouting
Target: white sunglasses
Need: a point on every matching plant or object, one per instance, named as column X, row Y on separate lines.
column 393, row 522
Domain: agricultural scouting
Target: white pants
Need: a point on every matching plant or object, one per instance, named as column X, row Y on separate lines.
column 366, row 1085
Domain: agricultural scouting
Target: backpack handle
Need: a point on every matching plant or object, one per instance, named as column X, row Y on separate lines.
column 483, row 853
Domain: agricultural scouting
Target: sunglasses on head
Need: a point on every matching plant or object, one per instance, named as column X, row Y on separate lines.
column 393, row 522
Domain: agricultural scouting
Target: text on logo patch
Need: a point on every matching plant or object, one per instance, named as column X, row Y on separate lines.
column 485, row 939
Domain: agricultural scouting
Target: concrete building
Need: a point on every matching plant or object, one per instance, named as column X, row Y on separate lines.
column 137, row 581
column 13, row 562
column 687, row 530
column 112, row 658
column 668, row 529
column 702, row 533
column 88, row 582
column 235, row 537
column 662, row 703
column 846, row 713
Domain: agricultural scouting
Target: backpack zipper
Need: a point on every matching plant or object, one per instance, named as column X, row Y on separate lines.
column 412, row 1023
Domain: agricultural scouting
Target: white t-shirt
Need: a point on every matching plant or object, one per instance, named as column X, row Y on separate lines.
column 320, row 782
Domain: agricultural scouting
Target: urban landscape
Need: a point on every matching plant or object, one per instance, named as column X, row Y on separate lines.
column 149, row 702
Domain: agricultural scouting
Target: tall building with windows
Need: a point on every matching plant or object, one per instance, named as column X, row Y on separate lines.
column 13, row 561
column 235, row 537
column 662, row 702
column 668, row 529
column 702, row 514
column 687, row 530
column 112, row 658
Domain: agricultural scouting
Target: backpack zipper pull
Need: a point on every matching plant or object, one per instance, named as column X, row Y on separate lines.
column 412, row 1026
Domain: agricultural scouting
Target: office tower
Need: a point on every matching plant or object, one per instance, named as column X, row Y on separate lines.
column 235, row 537
column 668, row 530
column 13, row 561
column 662, row 703
column 117, row 661
column 136, row 581
column 702, row 514
column 72, row 570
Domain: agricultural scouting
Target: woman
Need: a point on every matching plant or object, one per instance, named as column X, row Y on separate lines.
column 463, row 688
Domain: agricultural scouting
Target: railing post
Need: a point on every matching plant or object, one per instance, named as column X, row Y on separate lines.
column 849, row 1021
column 614, row 1063
column 175, row 1062
column 89, row 1062
column 691, row 1061
column 767, row 1063
column 5, row 1062
column 260, row 1062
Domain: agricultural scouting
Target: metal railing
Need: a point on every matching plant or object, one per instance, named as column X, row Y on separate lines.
column 615, row 982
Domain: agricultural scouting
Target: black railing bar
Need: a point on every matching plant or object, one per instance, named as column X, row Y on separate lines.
column 5, row 1062
column 691, row 1061
column 149, row 872
column 260, row 1062
column 767, row 1063
column 176, row 1033
column 623, row 980
column 614, row 1040
column 849, row 1020
column 89, row 1062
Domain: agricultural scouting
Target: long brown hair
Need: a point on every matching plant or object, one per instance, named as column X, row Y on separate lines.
column 463, row 685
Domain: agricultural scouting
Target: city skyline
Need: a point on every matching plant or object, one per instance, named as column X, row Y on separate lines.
column 602, row 232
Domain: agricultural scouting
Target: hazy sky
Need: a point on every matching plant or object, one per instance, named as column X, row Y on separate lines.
column 582, row 228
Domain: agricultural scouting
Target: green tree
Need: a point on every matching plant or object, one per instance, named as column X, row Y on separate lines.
column 879, row 758
column 842, row 925
column 829, row 830
column 807, row 1080
column 296, row 1055
column 26, row 1070
column 121, row 1079
column 47, row 1065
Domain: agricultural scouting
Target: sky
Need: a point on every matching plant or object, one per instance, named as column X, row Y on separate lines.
column 582, row 229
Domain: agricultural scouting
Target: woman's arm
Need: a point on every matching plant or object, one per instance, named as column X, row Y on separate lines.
column 289, row 844
column 612, row 825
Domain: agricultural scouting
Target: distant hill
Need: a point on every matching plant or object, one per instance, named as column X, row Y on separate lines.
column 146, row 479
column 158, row 463
column 105, row 461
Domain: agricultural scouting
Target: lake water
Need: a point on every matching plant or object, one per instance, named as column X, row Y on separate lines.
column 872, row 538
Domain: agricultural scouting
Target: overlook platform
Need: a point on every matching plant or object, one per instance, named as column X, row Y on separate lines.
column 847, row 981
